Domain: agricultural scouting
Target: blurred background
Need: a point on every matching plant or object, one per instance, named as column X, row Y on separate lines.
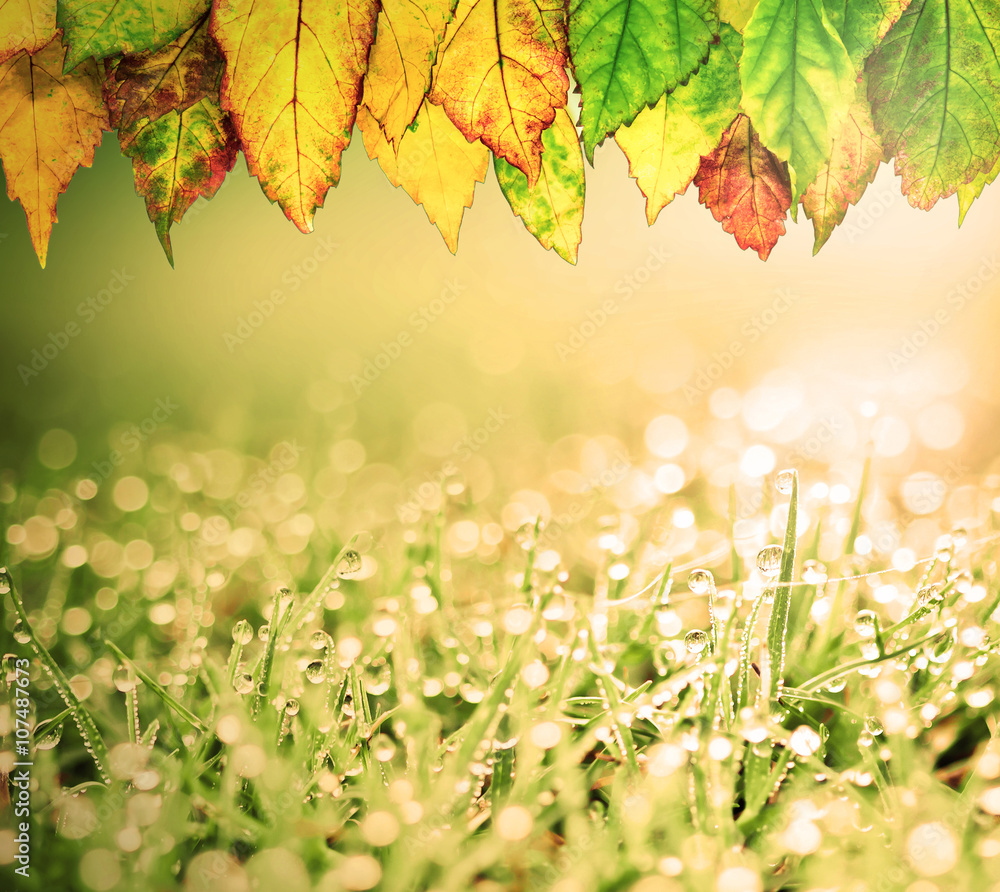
column 391, row 366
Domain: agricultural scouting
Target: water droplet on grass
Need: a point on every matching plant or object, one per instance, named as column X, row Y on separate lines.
column 929, row 595
column 866, row 623
column 696, row 641
column 769, row 560
column 873, row 725
column 264, row 632
column 316, row 672
column 21, row 633
column 349, row 564
column 243, row 683
column 242, row 632
column 319, row 640
column 50, row 737
column 784, row 480
column 700, row 582
column 124, row 680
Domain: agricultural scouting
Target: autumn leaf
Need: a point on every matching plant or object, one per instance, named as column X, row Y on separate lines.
column 183, row 155
column 172, row 78
column 798, row 83
column 665, row 143
column 627, row 53
column 861, row 24
column 434, row 164
column 25, row 25
column 408, row 33
column 934, row 87
column 292, row 85
column 50, row 125
column 102, row 28
column 969, row 192
column 737, row 12
column 842, row 181
column 552, row 209
column 746, row 188
column 501, row 75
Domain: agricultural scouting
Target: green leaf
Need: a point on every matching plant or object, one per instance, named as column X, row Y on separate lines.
column 934, row 86
column 627, row 53
column 102, row 28
column 552, row 209
column 862, row 24
column 798, row 83
column 178, row 158
column 664, row 144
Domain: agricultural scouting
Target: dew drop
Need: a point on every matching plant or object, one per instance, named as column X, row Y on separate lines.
column 929, row 595
column 242, row 632
column 21, row 633
column 319, row 640
column 874, row 726
column 784, row 480
column 700, row 582
column 4, row 581
column 243, row 683
column 316, row 672
column 264, row 632
column 769, row 560
column 349, row 564
column 866, row 623
column 50, row 737
column 124, row 680
column 696, row 641
column 291, row 707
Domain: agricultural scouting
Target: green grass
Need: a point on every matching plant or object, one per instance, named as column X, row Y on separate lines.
column 412, row 719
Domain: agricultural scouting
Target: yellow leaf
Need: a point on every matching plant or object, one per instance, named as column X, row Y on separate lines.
column 737, row 12
column 50, row 125
column 664, row 144
column 291, row 84
column 434, row 163
column 400, row 63
column 501, row 75
column 25, row 25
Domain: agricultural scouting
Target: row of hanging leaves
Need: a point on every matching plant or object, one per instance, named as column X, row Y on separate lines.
column 761, row 104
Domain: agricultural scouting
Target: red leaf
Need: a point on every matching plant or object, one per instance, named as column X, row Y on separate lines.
column 746, row 188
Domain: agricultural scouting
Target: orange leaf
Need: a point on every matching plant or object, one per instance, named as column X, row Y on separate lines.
column 292, row 83
column 501, row 75
column 857, row 153
column 401, row 60
column 172, row 78
column 25, row 25
column 434, row 163
column 746, row 188
column 50, row 125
